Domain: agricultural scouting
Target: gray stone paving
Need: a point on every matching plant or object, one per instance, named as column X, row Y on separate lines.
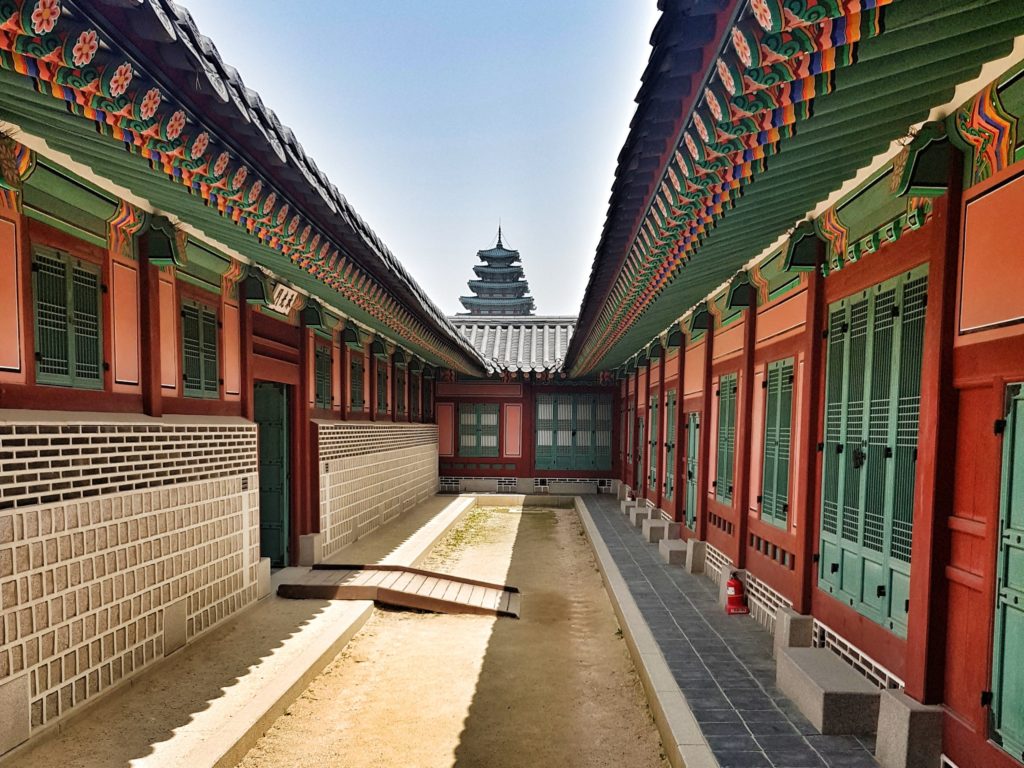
column 723, row 664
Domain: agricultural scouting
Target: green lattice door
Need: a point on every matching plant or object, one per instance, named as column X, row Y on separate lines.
column 692, row 458
column 652, row 443
column 1007, row 670
column 270, row 404
column 872, row 404
column 639, row 465
column 670, row 444
column 573, row 431
column 777, row 442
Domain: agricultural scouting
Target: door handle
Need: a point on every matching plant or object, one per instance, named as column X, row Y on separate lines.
column 859, row 457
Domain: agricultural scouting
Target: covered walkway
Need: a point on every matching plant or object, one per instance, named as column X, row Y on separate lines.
column 722, row 664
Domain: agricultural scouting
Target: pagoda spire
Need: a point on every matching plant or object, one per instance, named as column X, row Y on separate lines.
column 500, row 287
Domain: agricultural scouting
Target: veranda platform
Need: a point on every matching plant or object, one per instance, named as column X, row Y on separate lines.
column 404, row 587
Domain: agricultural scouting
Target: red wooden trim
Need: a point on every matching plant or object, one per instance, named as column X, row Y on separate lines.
column 703, row 476
column 149, row 313
column 936, row 452
column 744, row 435
column 659, row 489
column 45, row 397
column 197, row 406
column 806, row 443
column 247, row 363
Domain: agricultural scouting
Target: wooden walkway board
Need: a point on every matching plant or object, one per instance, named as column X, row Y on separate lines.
column 405, row 588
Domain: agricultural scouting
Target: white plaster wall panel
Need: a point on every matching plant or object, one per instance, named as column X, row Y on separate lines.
column 105, row 525
column 371, row 474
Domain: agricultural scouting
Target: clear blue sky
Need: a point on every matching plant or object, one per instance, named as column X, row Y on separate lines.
column 436, row 117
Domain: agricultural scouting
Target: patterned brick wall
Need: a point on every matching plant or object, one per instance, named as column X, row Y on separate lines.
column 370, row 474
column 111, row 534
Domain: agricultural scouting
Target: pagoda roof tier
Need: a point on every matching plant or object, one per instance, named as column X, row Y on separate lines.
column 485, row 289
column 524, row 304
column 504, row 274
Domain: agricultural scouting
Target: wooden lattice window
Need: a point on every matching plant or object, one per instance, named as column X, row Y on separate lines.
column 322, row 376
column 778, row 428
column 200, row 366
column 669, row 482
column 414, row 397
column 478, row 429
column 400, row 377
column 355, row 382
column 382, row 386
column 726, row 438
column 68, row 323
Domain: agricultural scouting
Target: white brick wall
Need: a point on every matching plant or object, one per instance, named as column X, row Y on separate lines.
column 104, row 525
column 370, row 474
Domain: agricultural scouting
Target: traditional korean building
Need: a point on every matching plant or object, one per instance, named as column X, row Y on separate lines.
column 500, row 287
column 209, row 363
column 811, row 292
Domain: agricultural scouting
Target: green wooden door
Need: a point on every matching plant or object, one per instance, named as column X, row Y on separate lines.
column 652, row 443
column 271, row 410
column 727, row 398
column 602, row 433
column 638, row 473
column 573, row 431
column 777, row 442
column 670, row 444
column 544, row 452
column 1007, row 669
column 692, row 465
column 872, row 402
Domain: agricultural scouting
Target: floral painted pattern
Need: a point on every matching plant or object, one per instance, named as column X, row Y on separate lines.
column 44, row 16
column 200, row 144
column 85, row 48
column 221, row 164
column 176, row 125
column 726, row 76
column 239, row 177
column 762, row 13
column 121, row 80
column 293, row 224
column 255, row 189
column 282, row 214
column 268, row 204
column 150, row 102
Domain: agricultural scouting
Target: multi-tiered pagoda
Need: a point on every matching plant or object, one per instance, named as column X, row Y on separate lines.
column 501, row 288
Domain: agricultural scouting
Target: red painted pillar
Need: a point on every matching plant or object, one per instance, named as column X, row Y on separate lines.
column 635, row 462
column 705, row 438
column 344, row 373
column 926, row 631
column 806, row 444
column 149, row 336
column 246, row 366
column 744, row 431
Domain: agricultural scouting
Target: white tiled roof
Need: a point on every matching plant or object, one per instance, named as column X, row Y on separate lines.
column 518, row 343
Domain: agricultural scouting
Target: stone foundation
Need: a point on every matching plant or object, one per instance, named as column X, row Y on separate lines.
column 121, row 539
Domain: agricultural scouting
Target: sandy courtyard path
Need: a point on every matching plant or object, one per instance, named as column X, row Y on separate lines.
column 554, row 688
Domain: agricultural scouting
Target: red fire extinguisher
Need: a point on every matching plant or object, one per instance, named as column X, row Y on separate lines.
column 735, row 596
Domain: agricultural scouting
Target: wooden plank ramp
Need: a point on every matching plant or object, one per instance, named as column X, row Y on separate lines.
column 404, row 587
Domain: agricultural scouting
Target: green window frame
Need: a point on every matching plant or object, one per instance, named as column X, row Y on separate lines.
column 573, row 431
column 778, row 436
column 692, row 467
column 414, row 400
column 400, row 379
column 724, row 469
column 869, row 465
column 669, row 484
column 355, row 382
column 428, row 399
column 478, row 429
column 67, row 307
column 200, row 370
column 382, row 386
column 322, row 376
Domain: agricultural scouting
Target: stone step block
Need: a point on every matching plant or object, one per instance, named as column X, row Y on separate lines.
column 673, row 551
column 828, row 691
column 637, row 515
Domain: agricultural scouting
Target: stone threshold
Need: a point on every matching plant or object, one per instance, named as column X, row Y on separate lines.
column 681, row 735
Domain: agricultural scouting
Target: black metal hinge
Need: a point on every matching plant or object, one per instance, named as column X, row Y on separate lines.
column 764, row 384
column 986, row 698
column 999, row 427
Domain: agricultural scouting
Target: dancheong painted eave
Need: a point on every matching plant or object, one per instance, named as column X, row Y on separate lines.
column 103, row 78
column 799, row 97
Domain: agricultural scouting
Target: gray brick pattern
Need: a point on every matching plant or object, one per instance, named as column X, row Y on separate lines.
column 722, row 664
column 117, row 522
column 370, row 474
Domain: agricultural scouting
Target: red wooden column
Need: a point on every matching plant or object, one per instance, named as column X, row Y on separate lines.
column 679, row 489
column 635, row 426
column 306, row 515
column 149, row 336
column 936, row 452
column 744, row 432
column 370, row 397
column 344, row 373
column 703, row 475
column 645, row 467
column 659, row 490
column 806, row 445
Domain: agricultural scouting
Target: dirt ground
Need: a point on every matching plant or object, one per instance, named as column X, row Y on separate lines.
column 554, row 688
